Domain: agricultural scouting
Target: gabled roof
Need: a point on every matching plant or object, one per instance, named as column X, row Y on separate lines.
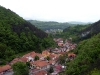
column 52, row 55
column 4, row 68
column 59, row 67
column 32, row 54
column 39, row 55
column 23, row 59
column 42, row 72
column 71, row 55
column 45, row 53
column 15, row 60
column 26, row 55
column 51, row 61
column 40, row 63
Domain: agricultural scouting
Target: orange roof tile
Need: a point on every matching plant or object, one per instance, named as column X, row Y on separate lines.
column 40, row 63
column 23, row 59
column 15, row 60
column 42, row 72
column 39, row 55
column 51, row 61
column 32, row 54
column 71, row 54
column 4, row 68
column 45, row 52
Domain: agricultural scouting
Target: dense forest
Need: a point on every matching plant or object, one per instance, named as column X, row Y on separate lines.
column 87, row 59
column 50, row 25
column 18, row 36
column 91, row 30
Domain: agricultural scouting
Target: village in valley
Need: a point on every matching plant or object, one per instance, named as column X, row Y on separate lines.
column 48, row 60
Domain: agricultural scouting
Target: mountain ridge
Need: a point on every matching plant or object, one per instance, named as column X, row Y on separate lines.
column 47, row 25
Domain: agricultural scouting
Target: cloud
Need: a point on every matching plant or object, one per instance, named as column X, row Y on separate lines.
column 55, row 10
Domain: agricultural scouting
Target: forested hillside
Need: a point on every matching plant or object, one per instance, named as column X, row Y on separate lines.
column 81, row 32
column 87, row 60
column 72, row 32
column 49, row 25
column 18, row 35
column 91, row 30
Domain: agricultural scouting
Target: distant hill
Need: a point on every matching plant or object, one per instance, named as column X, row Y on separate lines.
column 50, row 25
column 17, row 36
column 81, row 23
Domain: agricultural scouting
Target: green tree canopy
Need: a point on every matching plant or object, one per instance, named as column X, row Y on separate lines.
column 48, row 58
column 36, row 58
column 20, row 68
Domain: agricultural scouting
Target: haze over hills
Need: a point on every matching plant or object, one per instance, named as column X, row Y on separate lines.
column 47, row 25
column 81, row 23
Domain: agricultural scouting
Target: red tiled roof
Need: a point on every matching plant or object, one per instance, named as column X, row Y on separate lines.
column 23, row 59
column 62, row 53
column 51, row 61
column 15, row 60
column 45, row 52
column 71, row 55
column 34, row 70
column 42, row 72
column 39, row 55
column 40, row 63
column 59, row 67
column 32, row 54
column 4, row 68
column 51, row 55
column 27, row 55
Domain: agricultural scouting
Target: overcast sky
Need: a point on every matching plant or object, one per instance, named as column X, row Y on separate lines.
column 55, row 10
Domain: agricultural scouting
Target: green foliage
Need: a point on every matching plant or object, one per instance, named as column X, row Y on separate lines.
column 48, row 58
column 36, row 58
column 87, row 58
column 94, row 72
column 62, row 59
column 28, row 64
column 51, row 70
column 73, row 32
column 20, row 68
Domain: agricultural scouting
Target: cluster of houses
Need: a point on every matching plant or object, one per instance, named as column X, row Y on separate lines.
column 43, row 65
column 63, row 46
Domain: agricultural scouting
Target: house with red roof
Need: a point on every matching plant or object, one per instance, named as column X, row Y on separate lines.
column 42, row 72
column 53, row 56
column 30, row 56
column 22, row 59
column 14, row 61
column 5, row 69
column 71, row 55
column 41, row 57
column 40, row 64
column 45, row 53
